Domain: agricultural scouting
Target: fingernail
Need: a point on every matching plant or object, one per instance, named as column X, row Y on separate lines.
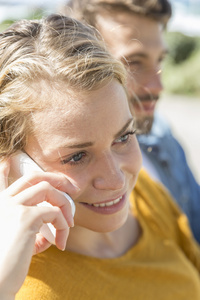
column 63, row 249
column 71, row 222
column 77, row 189
column 72, row 225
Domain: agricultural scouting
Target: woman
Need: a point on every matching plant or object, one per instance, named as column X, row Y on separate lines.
column 63, row 102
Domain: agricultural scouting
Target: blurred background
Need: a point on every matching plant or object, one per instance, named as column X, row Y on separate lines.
column 180, row 103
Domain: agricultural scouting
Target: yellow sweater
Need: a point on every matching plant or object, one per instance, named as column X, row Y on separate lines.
column 163, row 265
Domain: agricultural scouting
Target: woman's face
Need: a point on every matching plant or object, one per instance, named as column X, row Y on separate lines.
column 89, row 137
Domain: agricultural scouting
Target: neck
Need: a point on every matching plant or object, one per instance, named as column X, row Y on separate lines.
column 104, row 245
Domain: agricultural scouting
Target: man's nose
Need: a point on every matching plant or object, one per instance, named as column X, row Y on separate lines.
column 153, row 83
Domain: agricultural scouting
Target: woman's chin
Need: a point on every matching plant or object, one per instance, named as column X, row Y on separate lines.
column 106, row 223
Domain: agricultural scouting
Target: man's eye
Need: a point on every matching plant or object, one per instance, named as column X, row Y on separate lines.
column 134, row 63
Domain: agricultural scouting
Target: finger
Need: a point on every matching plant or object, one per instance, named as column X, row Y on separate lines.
column 43, row 191
column 58, row 181
column 61, row 238
column 41, row 244
column 54, row 216
column 4, row 171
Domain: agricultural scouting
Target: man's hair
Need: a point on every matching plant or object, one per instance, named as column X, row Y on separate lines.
column 87, row 10
column 37, row 57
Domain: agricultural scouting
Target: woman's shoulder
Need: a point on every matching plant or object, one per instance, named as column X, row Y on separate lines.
column 154, row 192
column 155, row 206
column 157, row 210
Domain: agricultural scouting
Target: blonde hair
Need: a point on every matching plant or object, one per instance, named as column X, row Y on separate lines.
column 54, row 49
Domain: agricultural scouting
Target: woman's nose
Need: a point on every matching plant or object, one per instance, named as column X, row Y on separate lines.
column 109, row 175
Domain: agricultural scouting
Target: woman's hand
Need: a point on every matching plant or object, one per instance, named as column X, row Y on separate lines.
column 21, row 219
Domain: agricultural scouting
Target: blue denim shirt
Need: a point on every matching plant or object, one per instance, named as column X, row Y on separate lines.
column 168, row 158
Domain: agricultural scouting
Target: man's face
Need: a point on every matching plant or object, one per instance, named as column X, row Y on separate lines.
column 138, row 42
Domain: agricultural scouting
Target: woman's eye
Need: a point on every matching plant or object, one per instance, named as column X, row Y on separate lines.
column 75, row 159
column 124, row 138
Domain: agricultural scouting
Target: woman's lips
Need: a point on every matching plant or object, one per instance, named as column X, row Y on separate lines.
column 107, row 207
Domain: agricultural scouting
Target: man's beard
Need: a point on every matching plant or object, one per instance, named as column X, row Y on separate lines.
column 143, row 121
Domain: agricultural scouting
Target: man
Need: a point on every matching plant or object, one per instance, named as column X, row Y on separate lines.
column 133, row 32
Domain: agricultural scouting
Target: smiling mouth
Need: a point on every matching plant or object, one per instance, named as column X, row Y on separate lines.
column 106, row 204
column 107, row 207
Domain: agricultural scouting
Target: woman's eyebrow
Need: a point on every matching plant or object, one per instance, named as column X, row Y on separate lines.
column 89, row 144
column 131, row 120
column 82, row 145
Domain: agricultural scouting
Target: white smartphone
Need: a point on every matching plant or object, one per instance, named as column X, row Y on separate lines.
column 22, row 164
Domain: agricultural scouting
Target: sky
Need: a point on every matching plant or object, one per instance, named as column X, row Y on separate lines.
column 186, row 17
column 186, row 13
column 17, row 9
